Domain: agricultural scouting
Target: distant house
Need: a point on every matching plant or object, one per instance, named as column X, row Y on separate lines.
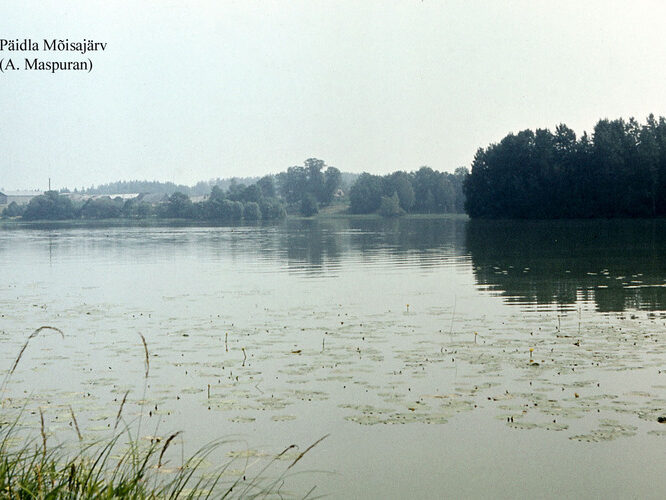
column 122, row 196
column 153, row 198
column 77, row 197
column 19, row 197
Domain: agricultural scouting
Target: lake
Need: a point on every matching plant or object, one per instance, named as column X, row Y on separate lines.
column 442, row 357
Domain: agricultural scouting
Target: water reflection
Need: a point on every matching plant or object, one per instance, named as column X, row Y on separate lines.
column 321, row 247
column 616, row 264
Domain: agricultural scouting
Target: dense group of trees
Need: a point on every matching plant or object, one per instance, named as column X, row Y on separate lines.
column 202, row 188
column 240, row 202
column 300, row 189
column 13, row 210
column 618, row 172
column 50, row 206
column 251, row 203
column 309, row 187
column 423, row 191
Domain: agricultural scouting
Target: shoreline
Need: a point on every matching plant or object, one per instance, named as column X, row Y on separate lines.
column 157, row 222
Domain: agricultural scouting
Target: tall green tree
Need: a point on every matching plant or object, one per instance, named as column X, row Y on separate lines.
column 617, row 172
column 179, row 206
column 332, row 180
column 50, row 206
column 366, row 194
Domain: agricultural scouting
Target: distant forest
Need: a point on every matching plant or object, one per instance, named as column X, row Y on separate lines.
column 300, row 190
column 618, row 172
column 251, row 203
column 201, row 188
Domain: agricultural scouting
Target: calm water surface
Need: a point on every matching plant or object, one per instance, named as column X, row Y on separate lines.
column 408, row 341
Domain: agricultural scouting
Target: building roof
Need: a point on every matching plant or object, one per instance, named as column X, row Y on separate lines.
column 124, row 196
column 82, row 196
column 153, row 197
column 21, row 193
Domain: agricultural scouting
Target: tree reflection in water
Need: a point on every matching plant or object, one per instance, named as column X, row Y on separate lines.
column 617, row 264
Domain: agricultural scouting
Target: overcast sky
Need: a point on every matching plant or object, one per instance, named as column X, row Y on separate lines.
column 192, row 90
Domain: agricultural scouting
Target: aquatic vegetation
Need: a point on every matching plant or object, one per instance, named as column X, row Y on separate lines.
column 124, row 464
column 607, row 431
column 123, row 467
column 231, row 352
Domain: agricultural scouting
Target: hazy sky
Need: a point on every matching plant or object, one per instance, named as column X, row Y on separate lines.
column 192, row 90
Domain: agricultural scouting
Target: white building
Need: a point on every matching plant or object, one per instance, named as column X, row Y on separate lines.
column 19, row 197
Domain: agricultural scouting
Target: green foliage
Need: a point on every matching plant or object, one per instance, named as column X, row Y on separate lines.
column 216, row 194
column 236, row 210
column 293, row 184
column 113, row 469
column 214, row 207
column 390, row 206
column 102, row 208
column 332, row 181
column 253, row 202
column 434, row 191
column 403, row 189
column 308, row 206
column 459, row 176
column 125, row 187
column 232, row 206
column 272, row 208
column 251, row 211
column 13, row 210
column 134, row 209
column 366, row 194
column 267, row 187
column 168, row 188
column 620, row 172
column 298, row 183
column 424, row 191
column 179, row 206
column 315, row 178
column 251, row 194
column 49, row 206
column 122, row 465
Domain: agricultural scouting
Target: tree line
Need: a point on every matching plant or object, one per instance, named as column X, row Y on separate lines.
column 301, row 190
column 201, row 188
column 251, row 203
column 305, row 189
column 423, row 191
column 620, row 171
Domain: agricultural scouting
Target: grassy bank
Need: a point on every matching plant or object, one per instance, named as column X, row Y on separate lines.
column 122, row 467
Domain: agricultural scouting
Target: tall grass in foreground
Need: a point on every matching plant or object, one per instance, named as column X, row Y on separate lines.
column 124, row 466
column 104, row 470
